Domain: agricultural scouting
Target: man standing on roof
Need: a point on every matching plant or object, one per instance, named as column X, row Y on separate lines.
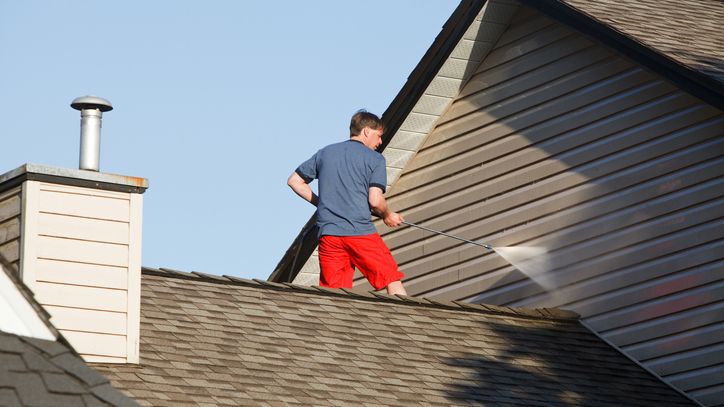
column 352, row 178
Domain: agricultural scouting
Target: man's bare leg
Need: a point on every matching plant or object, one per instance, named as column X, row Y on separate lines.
column 396, row 287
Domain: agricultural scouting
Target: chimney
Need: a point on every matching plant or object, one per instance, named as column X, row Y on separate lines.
column 91, row 116
column 74, row 237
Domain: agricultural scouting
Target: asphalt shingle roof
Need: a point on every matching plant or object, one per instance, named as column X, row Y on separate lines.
column 688, row 31
column 48, row 373
column 38, row 373
column 210, row 340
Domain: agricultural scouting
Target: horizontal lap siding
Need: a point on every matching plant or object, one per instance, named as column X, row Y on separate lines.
column 10, row 208
column 558, row 142
column 81, row 266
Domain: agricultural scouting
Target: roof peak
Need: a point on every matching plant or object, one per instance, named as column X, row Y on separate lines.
column 549, row 314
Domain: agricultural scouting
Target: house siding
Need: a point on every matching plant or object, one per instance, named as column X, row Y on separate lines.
column 10, row 208
column 80, row 264
column 557, row 141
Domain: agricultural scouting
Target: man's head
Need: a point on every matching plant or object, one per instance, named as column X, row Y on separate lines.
column 367, row 128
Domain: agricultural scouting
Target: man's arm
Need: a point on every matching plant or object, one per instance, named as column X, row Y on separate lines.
column 378, row 203
column 301, row 188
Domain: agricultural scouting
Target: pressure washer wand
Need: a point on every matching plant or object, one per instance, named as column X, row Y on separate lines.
column 487, row 246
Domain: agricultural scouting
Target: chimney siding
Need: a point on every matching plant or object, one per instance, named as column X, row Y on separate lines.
column 79, row 244
column 10, row 208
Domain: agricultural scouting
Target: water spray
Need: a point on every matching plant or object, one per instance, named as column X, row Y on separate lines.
column 533, row 261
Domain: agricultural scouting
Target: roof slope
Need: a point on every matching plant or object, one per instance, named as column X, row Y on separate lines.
column 38, row 372
column 689, row 32
column 208, row 340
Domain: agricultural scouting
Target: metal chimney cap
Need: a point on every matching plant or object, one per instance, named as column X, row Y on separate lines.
column 91, row 102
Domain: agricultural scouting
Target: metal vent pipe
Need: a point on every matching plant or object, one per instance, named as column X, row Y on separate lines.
column 91, row 115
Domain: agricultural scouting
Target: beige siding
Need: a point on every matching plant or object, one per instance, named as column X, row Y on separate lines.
column 84, row 202
column 10, row 208
column 82, row 254
column 309, row 274
column 82, row 251
column 79, row 319
column 100, row 345
column 78, row 228
column 93, row 298
column 556, row 141
column 94, row 275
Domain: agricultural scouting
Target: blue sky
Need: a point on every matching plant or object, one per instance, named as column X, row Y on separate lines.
column 215, row 103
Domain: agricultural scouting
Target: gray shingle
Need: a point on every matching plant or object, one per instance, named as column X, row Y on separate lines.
column 112, row 396
column 274, row 345
column 37, row 362
column 75, row 365
column 62, row 383
column 51, row 348
column 687, row 31
column 9, row 398
column 10, row 343
column 36, row 372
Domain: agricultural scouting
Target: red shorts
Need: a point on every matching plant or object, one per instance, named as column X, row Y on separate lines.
column 339, row 255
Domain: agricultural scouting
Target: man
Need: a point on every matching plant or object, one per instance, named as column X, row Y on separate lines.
column 352, row 179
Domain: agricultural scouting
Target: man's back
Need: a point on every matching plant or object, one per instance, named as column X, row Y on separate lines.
column 352, row 178
column 345, row 172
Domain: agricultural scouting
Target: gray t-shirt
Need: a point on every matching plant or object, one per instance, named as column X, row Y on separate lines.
column 345, row 172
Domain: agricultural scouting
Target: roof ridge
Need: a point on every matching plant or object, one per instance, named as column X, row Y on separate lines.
column 549, row 314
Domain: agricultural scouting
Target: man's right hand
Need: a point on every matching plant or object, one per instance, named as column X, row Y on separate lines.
column 378, row 205
column 393, row 219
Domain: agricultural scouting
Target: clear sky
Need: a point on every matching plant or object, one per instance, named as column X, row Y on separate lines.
column 215, row 102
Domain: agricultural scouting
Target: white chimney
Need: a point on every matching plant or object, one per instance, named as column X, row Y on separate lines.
column 74, row 237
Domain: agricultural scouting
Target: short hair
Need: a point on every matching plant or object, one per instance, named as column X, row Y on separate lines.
column 363, row 119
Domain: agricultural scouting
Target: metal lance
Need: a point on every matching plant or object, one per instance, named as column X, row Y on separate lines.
column 487, row 246
column 91, row 115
